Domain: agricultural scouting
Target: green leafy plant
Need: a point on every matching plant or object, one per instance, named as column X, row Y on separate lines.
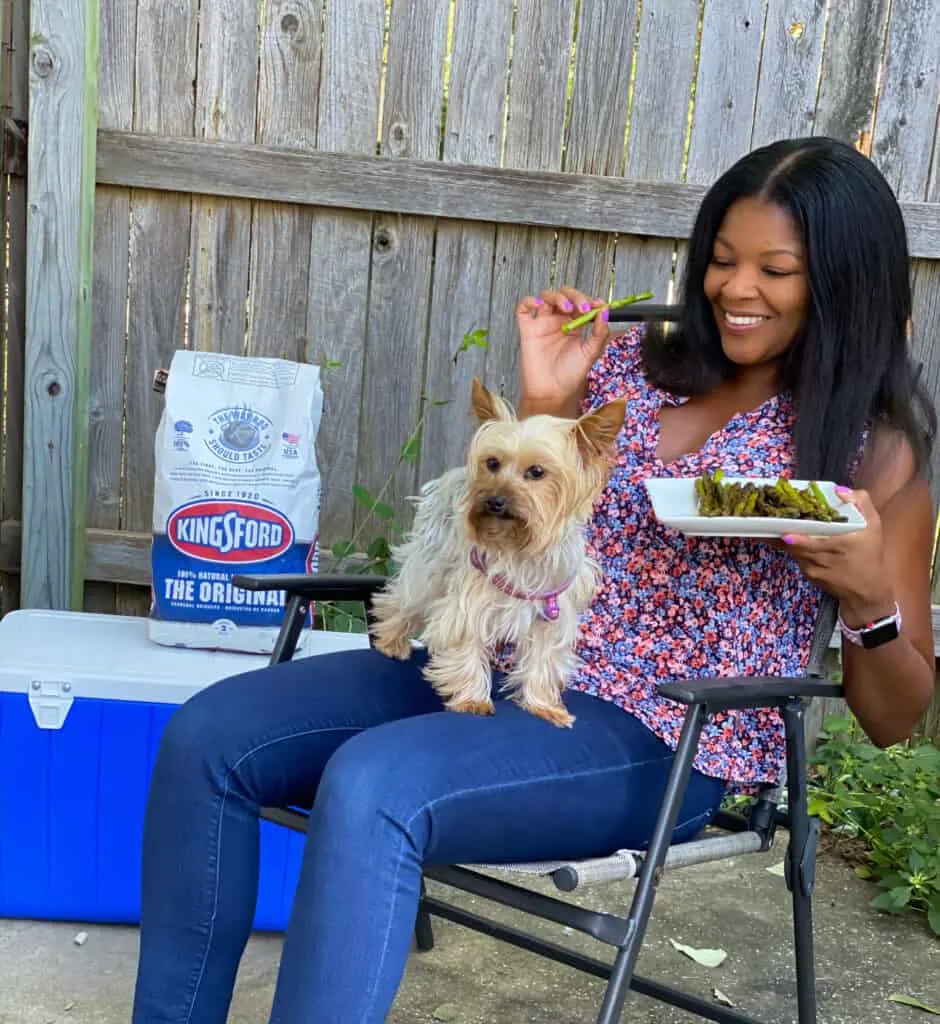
column 477, row 338
column 360, row 553
column 886, row 804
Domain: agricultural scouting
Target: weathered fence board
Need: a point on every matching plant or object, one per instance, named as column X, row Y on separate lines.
column 907, row 106
column 341, row 248
column 658, row 131
column 61, row 196
column 118, row 26
column 722, row 118
column 402, row 254
column 159, row 251
column 15, row 90
column 541, row 60
column 849, row 79
column 504, row 196
column 226, row 102
column 291, row 44
column 732, row 32
column 6, row 19
column 595, row 139
column 463, row 254
column 789, row 70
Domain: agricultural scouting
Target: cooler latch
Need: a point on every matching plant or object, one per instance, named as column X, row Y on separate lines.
column 50, row 700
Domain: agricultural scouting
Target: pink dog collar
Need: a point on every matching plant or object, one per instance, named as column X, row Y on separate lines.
column 549, row 601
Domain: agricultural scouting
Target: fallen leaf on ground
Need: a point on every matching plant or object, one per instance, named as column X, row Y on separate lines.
column 777, row 869
column 912, row 1002
column 720, row 997
column 705, row 957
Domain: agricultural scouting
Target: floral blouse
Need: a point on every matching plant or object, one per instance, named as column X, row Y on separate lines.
column 673, row 607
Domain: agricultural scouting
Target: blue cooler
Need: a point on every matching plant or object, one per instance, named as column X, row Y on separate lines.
column 83, row 702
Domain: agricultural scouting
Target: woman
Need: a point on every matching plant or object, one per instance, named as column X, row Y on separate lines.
column 791, row 358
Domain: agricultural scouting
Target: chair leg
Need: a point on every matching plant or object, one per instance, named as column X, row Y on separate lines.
column 424, row 930
column 801, row 861
column 638, row 918
column 295, row 615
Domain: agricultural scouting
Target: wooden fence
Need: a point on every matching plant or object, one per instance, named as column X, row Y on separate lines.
column 362, row 183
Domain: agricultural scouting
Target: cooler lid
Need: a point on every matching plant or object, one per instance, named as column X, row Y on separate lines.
column 111, row 657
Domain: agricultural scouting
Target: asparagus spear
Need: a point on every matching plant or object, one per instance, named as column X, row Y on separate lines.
column 781, row 500
column 580, row 321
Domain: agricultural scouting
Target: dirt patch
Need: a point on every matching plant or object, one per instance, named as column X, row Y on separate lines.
column 847, row 848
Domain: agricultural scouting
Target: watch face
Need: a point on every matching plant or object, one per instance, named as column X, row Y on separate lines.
column 882, row 634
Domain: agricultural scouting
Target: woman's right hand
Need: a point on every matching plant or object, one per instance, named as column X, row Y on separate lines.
column 554, row 366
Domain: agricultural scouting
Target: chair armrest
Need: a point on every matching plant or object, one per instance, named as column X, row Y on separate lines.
column 639, row 311
column 316, row 588
column 303, row 588
column 754, row 692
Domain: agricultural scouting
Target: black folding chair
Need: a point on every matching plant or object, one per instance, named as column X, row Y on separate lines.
column 730, row 835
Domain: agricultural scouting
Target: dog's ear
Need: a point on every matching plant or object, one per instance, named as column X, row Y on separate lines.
column 596, row 432
column 488, row 406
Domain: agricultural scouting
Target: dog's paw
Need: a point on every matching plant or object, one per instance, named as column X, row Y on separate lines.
column 555, row 713
column 392, row 645
column 472, row 707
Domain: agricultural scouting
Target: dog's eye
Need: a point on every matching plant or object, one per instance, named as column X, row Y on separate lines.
column 534, row 473
column 492, row 465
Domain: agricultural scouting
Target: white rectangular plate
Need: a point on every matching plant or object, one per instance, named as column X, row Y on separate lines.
column 674, row 505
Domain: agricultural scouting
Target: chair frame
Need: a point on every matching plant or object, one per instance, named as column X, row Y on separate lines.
column 702, row 698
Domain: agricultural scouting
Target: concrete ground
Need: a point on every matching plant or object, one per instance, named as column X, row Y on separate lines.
column 739, row 906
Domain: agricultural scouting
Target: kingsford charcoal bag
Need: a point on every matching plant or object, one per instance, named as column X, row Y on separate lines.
column 237, row 490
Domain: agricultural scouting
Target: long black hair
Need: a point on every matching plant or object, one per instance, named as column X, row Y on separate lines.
column 850, row 365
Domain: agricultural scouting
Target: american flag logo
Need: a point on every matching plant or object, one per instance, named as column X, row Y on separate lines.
column 290, row 438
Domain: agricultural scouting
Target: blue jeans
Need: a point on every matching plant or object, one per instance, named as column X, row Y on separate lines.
column 398, row 783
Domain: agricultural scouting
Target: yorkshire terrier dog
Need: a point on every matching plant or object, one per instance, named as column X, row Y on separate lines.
column 497, row 556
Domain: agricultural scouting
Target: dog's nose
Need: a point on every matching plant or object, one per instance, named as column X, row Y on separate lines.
column 495, row 505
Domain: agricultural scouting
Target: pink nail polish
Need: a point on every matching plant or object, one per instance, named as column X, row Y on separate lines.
column 540, row 302
column 585, row 307
column 844, row 492
column 605, row 315
column 788, row 539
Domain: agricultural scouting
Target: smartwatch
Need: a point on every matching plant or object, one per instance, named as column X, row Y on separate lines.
column 874, row 634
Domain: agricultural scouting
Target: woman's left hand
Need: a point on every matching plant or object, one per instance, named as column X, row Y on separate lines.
column 851, row 567
column 890, row 687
